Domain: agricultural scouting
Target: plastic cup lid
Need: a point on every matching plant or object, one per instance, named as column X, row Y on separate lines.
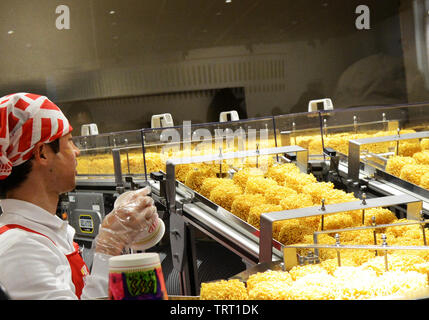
column 136, row 260
column 150, row 239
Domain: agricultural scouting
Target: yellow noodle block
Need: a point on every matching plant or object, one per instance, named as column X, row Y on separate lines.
column 210, row 183
column 224, row 195
column 422, row 157
column 195, row 177
column 395, row 262
column 278, row 172
column 357, row 237
column 331, row 264
column 298, row 272
column 424, row 181
column 318, row 190
column 223, row 290
column 293, row 231
column 259, row 185
column 399, row 231
column 394, row 164
column 102, row 165
column 269, row 275
column 276, row 193
column 424, row 144
column 294, row 201
column 83, row 165
column 243, row 175
column 400, row 284
column 359, row 256
column 409, row 147
column 337, row 221
column 382, row 216
column 315, row 146
column 244, row 202
column 304, row 141
column 256, row 211
column 270, row 290
column 317, row 286
column 182, row 170
column 154, row 161
column 354, row 283
column 297, row 180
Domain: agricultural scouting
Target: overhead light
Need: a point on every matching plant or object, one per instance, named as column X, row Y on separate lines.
column 10, row 32
column 112, row 12
column 228, row 1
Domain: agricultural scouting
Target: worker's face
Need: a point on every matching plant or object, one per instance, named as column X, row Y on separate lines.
column 63, row 166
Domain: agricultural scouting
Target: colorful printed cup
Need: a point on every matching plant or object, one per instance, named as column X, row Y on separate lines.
column 136, row 277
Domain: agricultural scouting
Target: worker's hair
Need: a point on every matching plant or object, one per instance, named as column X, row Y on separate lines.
column 20, row 173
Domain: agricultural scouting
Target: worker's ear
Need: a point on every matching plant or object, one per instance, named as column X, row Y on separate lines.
column 40, row 152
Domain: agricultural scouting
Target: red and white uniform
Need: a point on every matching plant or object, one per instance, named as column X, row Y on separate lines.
column 36, row 264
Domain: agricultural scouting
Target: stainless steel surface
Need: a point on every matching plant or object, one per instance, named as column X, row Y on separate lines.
column 221, row 225
column 117, row 167
column 354, row 158
column 414, row 207
column 242, row 154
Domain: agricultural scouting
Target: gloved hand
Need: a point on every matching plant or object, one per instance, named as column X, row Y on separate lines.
column 133, row 213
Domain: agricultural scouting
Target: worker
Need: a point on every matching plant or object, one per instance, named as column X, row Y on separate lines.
column 38, row 258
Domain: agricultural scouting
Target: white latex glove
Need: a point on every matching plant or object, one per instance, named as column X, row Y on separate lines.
column 133, row 213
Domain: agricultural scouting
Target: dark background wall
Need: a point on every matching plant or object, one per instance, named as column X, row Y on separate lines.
column 123, row 61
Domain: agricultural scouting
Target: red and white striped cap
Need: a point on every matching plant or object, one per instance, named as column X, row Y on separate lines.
column 26, row 119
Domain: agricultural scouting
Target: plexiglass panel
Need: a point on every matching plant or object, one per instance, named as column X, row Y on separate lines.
column 96, row 158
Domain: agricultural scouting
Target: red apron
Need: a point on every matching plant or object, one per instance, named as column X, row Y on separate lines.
column 78, row 267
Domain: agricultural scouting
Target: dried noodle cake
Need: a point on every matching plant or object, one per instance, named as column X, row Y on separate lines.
column 154, row 162
column 413, row 172
column 269, row 275
column 422, row 157
column 295, row 201
column 293, row 231
column 424, row 144
column 259, row 185
column 244, row 202
column 210, row 183
column 223, row 290
column 394, row 164
column 195, row 178
column 317, row 190
column 424, row 181
column 279, row 172
column 382, row 216
column 256, row 211
column 297, row 180
column 275, row 194
column 408, row 147
column 270, row 290
column 243, row 175
column 224, row 195
column 298, row 272
column 401, row 230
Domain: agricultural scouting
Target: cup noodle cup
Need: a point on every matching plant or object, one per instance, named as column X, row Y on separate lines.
column 136, row 277
column 147, row 238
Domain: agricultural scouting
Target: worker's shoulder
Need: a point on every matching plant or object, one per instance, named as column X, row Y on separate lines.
column 18, row 239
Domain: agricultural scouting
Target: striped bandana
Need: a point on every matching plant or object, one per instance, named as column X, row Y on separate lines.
column 25, row 120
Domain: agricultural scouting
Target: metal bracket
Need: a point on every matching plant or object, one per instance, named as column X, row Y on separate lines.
column 355, row 148
column 414, row 209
